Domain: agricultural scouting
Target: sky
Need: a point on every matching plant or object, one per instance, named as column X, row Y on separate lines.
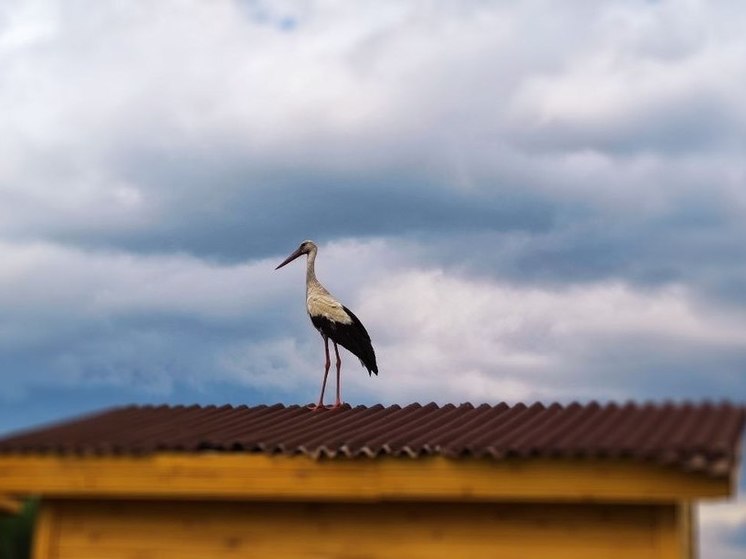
column 520, row 203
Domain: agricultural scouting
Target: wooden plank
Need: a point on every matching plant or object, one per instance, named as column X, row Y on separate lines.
column 667, row 540
column 251, row 476
column 45, row 545
column 10, row 505
column 185, row 530
column 675, row 537
column 685, row 512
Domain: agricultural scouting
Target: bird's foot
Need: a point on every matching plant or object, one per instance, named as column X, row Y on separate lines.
column 338, row 404
column 319, row 407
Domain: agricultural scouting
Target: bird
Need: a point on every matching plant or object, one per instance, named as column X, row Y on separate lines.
column 334, row 322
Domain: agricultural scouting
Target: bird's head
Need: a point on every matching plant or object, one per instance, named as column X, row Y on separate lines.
column 306, row 247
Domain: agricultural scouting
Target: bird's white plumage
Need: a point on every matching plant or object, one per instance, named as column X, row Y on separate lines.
column 320, row 303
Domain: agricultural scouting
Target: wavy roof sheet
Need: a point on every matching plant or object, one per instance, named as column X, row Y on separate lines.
column 693, row 437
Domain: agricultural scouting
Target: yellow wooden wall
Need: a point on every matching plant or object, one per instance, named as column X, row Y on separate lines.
column 77, row 529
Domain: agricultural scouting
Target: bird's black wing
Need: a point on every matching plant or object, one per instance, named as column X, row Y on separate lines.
column 353, row 337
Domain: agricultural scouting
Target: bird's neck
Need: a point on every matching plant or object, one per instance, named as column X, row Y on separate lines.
column 310, row 270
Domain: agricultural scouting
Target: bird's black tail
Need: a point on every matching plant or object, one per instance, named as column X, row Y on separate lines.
column 370, row 363
column 359, row 343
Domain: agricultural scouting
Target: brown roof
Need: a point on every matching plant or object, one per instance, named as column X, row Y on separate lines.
column 695, row 437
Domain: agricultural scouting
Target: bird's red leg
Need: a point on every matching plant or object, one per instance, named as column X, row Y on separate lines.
column 327, row 364
column 338, row 402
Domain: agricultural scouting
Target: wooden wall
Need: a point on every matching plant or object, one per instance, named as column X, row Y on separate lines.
column 95, row 529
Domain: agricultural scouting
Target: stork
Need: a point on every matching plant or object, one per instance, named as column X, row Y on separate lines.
column 333, row 321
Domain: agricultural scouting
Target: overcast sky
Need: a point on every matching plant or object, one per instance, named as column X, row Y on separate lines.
column 519, row 203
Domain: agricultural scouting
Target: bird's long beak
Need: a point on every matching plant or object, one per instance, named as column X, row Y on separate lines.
column 290, row 258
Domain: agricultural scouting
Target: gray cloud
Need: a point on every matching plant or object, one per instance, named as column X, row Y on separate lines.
column 137, row 150
column 607, row 152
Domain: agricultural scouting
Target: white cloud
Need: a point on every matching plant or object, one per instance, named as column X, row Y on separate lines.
column 281, row 365
column 119, row 316
column 103, row 311
column 100, row 139
column 719, row 524
column 438, row 335
column 446, row 337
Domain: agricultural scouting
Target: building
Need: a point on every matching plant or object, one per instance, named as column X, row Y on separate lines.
column 580, row 481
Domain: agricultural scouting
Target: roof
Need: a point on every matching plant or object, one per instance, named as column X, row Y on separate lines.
column 692, row 437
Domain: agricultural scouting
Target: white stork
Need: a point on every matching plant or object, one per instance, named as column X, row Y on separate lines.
column 333, row 320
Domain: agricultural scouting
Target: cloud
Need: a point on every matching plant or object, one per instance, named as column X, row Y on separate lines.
column 723, row 528
column 431, row 121
column 73, row 316
column 119, row 318
column 446, row 337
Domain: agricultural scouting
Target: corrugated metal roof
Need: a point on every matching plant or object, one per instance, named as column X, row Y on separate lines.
column 695, row 437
